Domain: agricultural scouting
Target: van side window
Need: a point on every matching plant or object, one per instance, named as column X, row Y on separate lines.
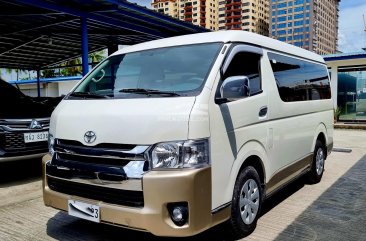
column 248, row 64
column 299, row 80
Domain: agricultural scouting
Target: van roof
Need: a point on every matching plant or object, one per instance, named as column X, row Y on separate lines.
column 225, row 37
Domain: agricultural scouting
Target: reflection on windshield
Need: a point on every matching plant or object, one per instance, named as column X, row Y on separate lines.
column 171, row 71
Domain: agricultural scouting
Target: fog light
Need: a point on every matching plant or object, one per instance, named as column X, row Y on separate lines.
column 178, row 213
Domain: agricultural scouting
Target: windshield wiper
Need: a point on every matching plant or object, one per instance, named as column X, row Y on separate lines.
column 88, row 95
column 149, row 92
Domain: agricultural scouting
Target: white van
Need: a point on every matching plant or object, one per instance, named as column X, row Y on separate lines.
column 177, row 135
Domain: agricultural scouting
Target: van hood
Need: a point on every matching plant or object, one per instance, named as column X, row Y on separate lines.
column 142, row 121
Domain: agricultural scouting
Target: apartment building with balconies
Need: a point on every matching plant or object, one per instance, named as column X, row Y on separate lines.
column 248, row 15
column 168, row 7
column 310, row 24
column 199, row 12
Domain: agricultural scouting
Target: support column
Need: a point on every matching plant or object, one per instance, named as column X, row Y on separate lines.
column 334, row 85
column 84, row 46
column 38, row 83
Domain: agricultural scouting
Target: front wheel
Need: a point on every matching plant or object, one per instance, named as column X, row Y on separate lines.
column 317, row 167
column 246, row 203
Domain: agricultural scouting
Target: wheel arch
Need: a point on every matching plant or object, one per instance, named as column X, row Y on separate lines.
column 253, row 154
column 320, row 134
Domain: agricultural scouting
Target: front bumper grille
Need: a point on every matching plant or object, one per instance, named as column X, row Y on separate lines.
column 14, row 141
column 12, row 138
column 106, row 172
column 105, row 194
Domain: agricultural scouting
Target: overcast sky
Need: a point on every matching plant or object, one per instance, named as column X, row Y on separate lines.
column 352, row 37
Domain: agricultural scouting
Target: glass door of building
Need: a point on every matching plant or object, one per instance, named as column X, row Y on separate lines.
column 352, row 93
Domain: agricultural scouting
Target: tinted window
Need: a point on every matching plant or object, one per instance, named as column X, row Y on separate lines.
column 247, row 64
column 299, row 80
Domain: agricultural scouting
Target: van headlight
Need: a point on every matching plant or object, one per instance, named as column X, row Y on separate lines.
column 51, row 143
column 185, row 154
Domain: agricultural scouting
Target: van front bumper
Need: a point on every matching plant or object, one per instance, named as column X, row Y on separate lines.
column 159, row 189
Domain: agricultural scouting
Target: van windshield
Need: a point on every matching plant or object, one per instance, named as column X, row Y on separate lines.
column 163, row 72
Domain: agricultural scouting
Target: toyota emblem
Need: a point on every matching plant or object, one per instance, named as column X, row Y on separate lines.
column 89, row 137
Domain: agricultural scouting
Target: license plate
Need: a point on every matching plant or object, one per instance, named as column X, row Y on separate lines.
column 84, row 210
column 35, row 136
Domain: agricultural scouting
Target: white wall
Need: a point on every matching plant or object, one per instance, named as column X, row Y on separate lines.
column 53, row 89
column 334, row 65
column 64, row 87
column 31, row 89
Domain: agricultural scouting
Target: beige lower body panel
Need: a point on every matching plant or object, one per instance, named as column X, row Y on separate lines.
column 160, row 188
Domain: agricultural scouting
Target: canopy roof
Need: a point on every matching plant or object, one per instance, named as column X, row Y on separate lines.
column 36, row 34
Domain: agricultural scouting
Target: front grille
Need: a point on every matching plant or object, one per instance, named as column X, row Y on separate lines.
column 105, row 194
column 92, row 160
column 22, row 125
column 79, row 161
column 14, row 141
column 75, row 168
column 108, row 154
column 12, row 137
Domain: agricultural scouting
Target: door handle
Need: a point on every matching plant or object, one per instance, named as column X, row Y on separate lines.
column 263, row 111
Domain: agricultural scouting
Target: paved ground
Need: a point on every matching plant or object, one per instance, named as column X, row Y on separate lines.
column 331, row 210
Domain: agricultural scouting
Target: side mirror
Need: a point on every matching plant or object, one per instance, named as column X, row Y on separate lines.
column 235, row 87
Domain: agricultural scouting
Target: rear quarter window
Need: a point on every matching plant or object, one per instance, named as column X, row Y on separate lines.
column 299, row 80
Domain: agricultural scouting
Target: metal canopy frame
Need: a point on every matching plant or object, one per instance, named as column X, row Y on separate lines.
column 39, row 34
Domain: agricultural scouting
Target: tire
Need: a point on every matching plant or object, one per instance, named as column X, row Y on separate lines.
column 245, row 211
column 317, row 166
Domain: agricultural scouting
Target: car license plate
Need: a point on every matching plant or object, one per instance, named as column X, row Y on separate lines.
column 84, row 210
column 35, row 136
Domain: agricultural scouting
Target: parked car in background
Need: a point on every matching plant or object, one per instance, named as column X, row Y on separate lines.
column 24, row 123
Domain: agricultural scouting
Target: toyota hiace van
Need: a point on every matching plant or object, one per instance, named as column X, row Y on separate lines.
column 177, row 135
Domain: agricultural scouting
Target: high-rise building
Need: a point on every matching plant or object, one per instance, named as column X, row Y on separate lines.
column 310, row 24
column 198, row 12
column 249, row 15
column 168, row 7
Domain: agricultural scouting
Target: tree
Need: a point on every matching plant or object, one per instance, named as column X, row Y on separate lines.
column 48, row 73
column 75, row 68
column 96, row 57
column 75, row 64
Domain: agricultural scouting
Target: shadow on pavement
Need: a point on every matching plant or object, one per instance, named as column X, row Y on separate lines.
column 19, row 172
column 338, row 214
column 283, row 194
column 64, row 228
